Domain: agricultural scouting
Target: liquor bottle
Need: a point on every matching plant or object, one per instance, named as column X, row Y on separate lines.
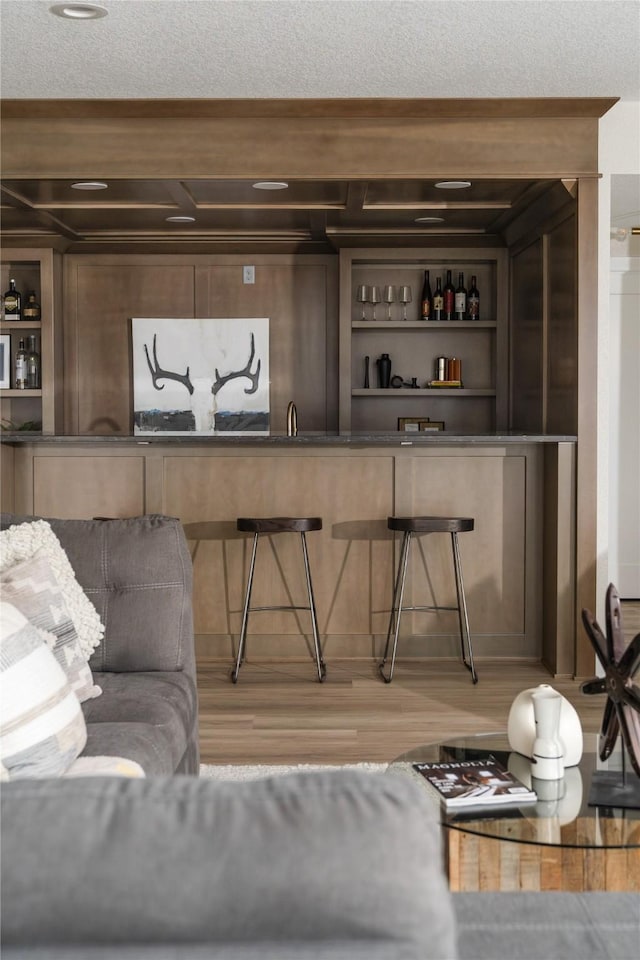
column 473, row 301
column 427, row 299
column 31, row 309
column 448, row 297
column 12, row 303
column 33, row 365
column 20, row 378
column 438, row 301
column 461, row 299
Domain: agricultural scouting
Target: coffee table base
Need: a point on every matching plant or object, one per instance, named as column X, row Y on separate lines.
column 482, row 863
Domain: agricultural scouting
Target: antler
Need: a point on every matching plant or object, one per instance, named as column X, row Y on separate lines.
column 245, row 372
column 157, row 373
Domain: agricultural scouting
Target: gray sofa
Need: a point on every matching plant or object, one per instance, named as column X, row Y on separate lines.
column 330, row 866
column 137, row 573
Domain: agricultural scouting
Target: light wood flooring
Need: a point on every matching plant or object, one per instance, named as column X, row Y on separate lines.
column 279, row 713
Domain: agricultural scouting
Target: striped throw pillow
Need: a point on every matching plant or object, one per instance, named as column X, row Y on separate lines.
column 42, row 728
column 32, row 587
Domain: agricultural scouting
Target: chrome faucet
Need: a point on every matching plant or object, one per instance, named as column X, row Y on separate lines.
column 292, row 420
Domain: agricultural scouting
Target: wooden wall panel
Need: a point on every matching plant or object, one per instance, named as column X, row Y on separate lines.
column 103, row 293
column 527, row 345
column 302, row 333
column 562, row 330
column 100, row 300
column 351, row 557
column 84, row 486
column 492, row 490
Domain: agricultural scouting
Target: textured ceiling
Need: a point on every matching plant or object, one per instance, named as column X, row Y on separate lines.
column 323, row 48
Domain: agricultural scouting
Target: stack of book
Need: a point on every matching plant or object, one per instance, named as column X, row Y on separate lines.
column 477, row 782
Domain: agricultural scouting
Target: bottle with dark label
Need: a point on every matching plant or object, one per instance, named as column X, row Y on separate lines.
column 438, row 301
column 427, row 299
column 20, row 369
column 33, row 365
column 448, row 297
column 12, row 303
column 461, row 299
column 31, row 309
column 473, row 301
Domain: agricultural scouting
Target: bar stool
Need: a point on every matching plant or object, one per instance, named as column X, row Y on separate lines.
column 269, row 526
column 417, row 526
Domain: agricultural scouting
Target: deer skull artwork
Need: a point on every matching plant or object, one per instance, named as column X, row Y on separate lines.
column 202, row 396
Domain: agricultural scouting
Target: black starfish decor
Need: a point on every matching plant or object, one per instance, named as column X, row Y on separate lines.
column 621, row 682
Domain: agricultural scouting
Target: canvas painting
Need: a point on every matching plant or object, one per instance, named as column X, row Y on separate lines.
column 203, row 377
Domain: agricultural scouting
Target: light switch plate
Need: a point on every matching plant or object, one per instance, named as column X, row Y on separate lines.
column 248, row 274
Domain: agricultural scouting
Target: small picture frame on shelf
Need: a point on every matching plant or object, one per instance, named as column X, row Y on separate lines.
column 5, row 361
column 419, row 425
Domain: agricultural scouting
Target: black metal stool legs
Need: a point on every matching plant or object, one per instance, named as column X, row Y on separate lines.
column 245, row 612
column 396, row 607
column 320, row 664
column 410, row 526
column 267, row 527
column 463, row 617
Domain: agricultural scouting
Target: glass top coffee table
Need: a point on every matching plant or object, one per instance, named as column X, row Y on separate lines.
column 558, row 843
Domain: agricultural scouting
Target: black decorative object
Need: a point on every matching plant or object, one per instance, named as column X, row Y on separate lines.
column 366, row 373
column 384, row 370
column 621, row 683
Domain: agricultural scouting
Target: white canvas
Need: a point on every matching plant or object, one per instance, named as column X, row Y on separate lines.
column 206, row 377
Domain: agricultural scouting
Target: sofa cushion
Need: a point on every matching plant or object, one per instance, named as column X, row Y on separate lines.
column 137, row 572
column 341, row 857
column 32, row 587
column 146, row 717
column 43, row 730
column 22, row 540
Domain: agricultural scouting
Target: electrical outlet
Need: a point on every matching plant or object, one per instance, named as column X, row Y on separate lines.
column 248, row 274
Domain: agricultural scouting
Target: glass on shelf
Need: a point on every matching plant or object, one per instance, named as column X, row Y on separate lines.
column 389, row 297
column 362, row 296
column 404, row 297
column 374, row 298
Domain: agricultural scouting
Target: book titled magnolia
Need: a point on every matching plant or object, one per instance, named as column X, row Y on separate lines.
column 479, row 782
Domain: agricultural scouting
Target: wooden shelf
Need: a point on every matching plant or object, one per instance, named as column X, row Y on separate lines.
column 422, row 392
column 373, row 325
column 6, row 326
column 20, row 393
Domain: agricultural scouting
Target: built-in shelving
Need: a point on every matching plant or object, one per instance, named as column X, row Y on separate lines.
column 414, row 344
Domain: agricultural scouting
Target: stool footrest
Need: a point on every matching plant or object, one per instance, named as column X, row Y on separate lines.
column 432, row 609
column 255, row 609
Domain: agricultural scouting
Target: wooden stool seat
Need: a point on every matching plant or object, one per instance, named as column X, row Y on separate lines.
column 279, row 524
column 415, row 527
column 268, row 526
column 431, row 524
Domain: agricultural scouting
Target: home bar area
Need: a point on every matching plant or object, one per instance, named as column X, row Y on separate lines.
column 489, row 414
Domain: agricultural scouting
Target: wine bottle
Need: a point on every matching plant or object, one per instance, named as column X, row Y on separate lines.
column 427, row 298
column 448, row 298
column 461, row 299
column 438, row 301
column 31, row 309
column 12, row 303
column 20, row 370
column 33, row 365
column 473, row 301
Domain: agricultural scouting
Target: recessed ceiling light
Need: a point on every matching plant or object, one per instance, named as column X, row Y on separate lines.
column 453, row 184
column 180, row 219
column 78, row 11
column 270, row 185
column 89, row 185
column 429, row 220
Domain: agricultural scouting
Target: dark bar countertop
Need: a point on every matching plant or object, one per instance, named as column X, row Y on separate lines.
column 303, row 438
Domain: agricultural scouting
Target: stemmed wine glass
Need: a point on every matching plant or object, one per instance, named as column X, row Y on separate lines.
column 374, row 298
column 362, row 296
column 389, row 297
column 404, row 297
